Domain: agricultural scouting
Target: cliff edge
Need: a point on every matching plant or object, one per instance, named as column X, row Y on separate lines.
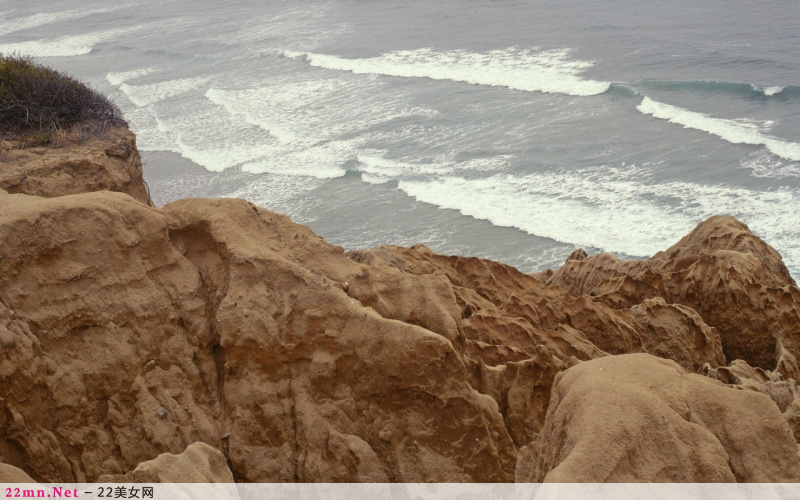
column 214, row 340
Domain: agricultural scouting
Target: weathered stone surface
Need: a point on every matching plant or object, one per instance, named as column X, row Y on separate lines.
column 199, row 463
column 640, row 418
column 109, row 162
column 201, row 310
column 11, row 474
column 784, row 392
column 735, row 281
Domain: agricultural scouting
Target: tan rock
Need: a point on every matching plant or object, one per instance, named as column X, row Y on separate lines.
column 105, row 326
column 108, row 162
column 522, row 390
column 144, row 331
column 507, row 309
column 736, row 282
column 676, row 332
column 640, row 418
column 320, row 386
column 199, row 463
column 11, row 474
column 784, row 392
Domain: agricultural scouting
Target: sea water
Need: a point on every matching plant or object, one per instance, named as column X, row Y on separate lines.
column 516, row 131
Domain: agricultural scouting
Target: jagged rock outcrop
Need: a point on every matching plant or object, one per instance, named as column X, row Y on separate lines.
column 146, row 332
column 730, row 277
column 319, row 386
column 109, row 162
column 199, row 463
column 510, row 319
column 784, row 392
column 503, row 310
column 637, row 418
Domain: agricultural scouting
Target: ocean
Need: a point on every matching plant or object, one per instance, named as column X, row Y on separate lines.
column 516, row 131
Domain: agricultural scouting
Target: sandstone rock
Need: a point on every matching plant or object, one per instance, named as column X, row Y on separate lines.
column 676, row 332
column 503, row 307
column 199, row 463
column 522, row 390
column 107, row 326
column 510, row 320
column 640, row 418
column 109, row 162
column 784, row 392
column 347, row 393
column 11, row 474
column 735, row 281
column 117, row 310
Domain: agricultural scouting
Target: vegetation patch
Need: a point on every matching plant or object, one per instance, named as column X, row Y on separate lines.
column 39, row 105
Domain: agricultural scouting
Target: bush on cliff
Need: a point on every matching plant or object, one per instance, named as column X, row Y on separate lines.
column 42, row 105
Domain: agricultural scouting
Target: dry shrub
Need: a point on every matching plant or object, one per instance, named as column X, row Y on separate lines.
column 72, row 135
column 40, row 105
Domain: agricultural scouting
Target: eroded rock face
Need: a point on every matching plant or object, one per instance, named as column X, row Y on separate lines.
column 194, row 324
column 109, row 162
column 784, row 392
column 136, row 338
column 639, row 418
column 509, row 319
column 105, row 326
column 730, row 277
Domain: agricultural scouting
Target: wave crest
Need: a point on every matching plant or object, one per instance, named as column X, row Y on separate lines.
column 549, row 71
column 733, row 131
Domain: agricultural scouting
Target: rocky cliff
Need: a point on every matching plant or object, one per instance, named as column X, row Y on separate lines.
column 213, row 340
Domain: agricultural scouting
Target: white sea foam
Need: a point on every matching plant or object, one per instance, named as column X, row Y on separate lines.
column 280, row 193
column 550, row 71
column 259, row 107
column 378, row 169
column 768, row 91
column 310, row 111
column 321, row 161
column 302, row 134
column 315, row 126
column 763, row 164
column 209, row 136
column 299, row 28
column 41, row 19
column 117, row 78
column 614, row 212
column 145, row 95
column 201, row 133
column 71, row 45
column 734, row 131
column 151, row 132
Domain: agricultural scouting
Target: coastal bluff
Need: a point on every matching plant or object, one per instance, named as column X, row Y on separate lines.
column 213, row 340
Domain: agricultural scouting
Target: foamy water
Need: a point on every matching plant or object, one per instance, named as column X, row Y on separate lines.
column 551, row 71
column 118, row 79
column 735, row 131
column 64, row 46
column 611, row 211
column 41, row 19
column 144, row 95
